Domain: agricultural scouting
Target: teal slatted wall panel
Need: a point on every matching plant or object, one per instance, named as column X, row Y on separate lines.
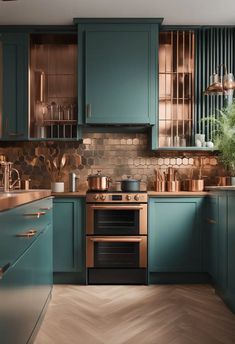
column 215, row 45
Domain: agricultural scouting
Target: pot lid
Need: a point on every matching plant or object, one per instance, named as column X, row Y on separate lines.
column 98, row 174
column 129, row 179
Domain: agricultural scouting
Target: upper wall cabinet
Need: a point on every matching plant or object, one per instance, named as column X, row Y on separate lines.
column 187, row 59
column 119, row 71
column 53, row 86
column 13, row 86
column 176, row 88
column 176, row 74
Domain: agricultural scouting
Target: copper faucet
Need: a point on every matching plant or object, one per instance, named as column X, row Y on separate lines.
column 7, row 176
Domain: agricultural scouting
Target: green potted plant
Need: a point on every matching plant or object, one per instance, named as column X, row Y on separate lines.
column 224, row 138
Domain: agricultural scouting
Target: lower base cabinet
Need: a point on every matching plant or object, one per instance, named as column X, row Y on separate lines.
column 68, row 245
column 231, row 250
column 221, row 244
column 175, row 234
column 24, row 290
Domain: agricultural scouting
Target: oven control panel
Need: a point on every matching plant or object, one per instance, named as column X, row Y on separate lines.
column 116, row 197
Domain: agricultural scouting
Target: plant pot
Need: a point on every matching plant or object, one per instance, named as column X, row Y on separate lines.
column 57, row 187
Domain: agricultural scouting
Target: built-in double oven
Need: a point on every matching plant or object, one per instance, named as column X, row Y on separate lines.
column 116, row 238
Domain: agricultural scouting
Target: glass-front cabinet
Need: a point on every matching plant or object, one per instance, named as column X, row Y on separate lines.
column 176, row 88
column 53, row 86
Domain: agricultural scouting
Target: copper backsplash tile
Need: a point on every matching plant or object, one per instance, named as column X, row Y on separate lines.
column 117, row 155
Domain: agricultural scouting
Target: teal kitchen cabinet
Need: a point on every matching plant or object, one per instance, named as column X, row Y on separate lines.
column 231, row 250
column 14, row 96
column 42, row 264
column 211, row 237
column 26, row 282
column 222, row 254
column 120, row 70
column 175, row 238
column 221, row 243
column 15, row 222
column 68, row 246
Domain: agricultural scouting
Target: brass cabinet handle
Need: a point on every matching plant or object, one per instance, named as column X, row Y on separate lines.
column 37, row 214
column 46, row 208
column 112, row 239
column 88, row 110
column 15, row 134
column 211, row 221
column 3, row 269
column 115, row 207
column 29, row 234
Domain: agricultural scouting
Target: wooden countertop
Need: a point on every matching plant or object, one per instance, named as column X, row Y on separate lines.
column 12, row 199
column 177, row 194
column 221, row 188
column 69, row 194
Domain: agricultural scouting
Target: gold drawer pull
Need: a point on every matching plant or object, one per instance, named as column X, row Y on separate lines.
column 37, row 214
column 29, row 234
column 3, row 269
column 46, row 208
column 211, row 222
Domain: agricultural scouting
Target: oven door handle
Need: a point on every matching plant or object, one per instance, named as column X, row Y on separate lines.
column 115, row 207
column 112, row 239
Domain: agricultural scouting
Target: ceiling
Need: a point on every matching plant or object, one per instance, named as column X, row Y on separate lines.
column 61, row 12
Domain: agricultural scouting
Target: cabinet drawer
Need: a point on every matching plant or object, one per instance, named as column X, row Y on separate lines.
column 24, row 289
column 16, row 224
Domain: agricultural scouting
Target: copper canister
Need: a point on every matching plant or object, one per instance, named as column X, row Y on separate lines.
column 196, row 185
column 173, row 186
column 160, row 186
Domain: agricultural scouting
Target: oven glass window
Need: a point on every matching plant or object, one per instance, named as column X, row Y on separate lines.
column 116, row 222
column 116, row 255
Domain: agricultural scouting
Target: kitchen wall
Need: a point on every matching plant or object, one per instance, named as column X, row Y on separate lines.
column 117, row 155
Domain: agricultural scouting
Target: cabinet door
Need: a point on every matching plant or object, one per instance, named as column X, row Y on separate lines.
column 120, row 73
column 231, row 249
column 42, row 267
column 24, row 289
column 175, row 235
column 211, row 237
column 16, row 222
column 222, row 280
column 15, row 86
column 67, row 237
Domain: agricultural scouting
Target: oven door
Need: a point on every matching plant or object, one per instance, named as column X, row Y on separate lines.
column 116, row 252
column 116, row 219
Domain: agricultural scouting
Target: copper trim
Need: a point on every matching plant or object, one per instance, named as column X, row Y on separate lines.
column 115, row 207
column 115, row 239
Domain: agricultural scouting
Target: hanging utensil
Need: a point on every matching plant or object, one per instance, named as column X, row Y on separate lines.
column 48, row 165
column 56, row 163
column 63, row 161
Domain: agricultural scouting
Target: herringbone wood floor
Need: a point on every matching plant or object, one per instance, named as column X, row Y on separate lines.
column 160, row 314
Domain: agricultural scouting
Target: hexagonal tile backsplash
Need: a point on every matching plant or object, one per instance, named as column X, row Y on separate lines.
column 117, row 155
